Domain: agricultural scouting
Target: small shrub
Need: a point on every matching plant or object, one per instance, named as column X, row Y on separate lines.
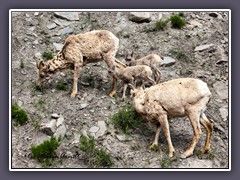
column 96, row 157
column 45, row 152
column 61, row 86
column 47, row 55
column 161, row 24
column 19, row 115
column 127, row 118
column 177, row 21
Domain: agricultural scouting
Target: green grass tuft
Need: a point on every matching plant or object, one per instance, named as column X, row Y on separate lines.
column 177, row 21
column 47, row 55
column 45, row 152
column 19, row 115
column 127, row 118
column 95, row 157
column 61, row 86
column 161, row 24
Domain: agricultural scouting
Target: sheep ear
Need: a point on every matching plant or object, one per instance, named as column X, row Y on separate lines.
column 40, row 64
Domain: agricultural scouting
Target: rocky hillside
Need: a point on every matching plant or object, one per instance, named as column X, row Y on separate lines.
column 199, row 49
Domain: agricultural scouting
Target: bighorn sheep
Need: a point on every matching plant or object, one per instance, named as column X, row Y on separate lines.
column 80, row 50
column 151, row 60
column 176, row 98
column 132, row 74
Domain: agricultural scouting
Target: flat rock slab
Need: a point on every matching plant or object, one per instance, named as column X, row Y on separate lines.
column 66, row 30
column 139, row 17
column 51, row 26
column 167, row 61
column 60, row 132
column 71, row 16
column 203, row 47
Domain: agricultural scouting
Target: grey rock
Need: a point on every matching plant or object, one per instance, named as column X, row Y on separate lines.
column 122, row 137
column 55, row 115
column 82, row 106
column 51, row 26
column 94, row 129
column 102, row 129
column 35, row 42
column 60, row 121
column 60, row 132
column 213, row 14
column 167, row 61
column 221, row 89
column 203, row 47
column 57, row 46
column 49, row 128
column 71, row 16
column 36, row 13
column 140, row 16
column 76, row 138
column 66, row 30
column 62, row 22
column 224, row 113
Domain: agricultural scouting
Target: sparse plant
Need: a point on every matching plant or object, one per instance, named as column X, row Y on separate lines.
column 181, row 14
column 180, row 55
column 177, row 21
column 61, row 86
column 154, row 148
column 19, row 115
column 161, row 24
column 45, row 152
column 22, row 64
column 47, row 55
column 44, row 33
column 39, row 103
column 167, row 162
column 127, row 118
column 95, row 157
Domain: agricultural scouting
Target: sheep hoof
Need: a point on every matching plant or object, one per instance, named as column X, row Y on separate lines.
column 154, row 147
column 204, row 150
column 183, row 156
column 73, row 95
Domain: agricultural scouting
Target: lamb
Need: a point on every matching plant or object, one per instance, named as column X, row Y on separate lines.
column 176, row 98
column 79, row 50
column 151, row 60
column 132, row 74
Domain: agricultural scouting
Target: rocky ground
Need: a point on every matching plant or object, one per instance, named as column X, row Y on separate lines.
column 199, row 49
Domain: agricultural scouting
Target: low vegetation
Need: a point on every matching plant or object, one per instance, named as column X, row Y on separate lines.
column 45, row 152
column 126, row 119
column 19, row 115
column 94, row 157
column 61, row 86
column 47, row 55
column 177, row 21
column 161, row 24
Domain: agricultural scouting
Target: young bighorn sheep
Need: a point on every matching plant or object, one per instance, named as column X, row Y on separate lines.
column 132, row 74
column 151, row 60
column 176, row 98
column 79, row 50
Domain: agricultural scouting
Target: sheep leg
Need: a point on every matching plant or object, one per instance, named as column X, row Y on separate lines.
column 209, row 127
column 77, row 67
column 114, row 87
column 165, row 126
column 155, row 142
column 158, row 74
column 194, row 119
column 124, row 91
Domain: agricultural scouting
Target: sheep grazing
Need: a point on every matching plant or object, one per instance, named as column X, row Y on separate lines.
column 176, row 98
column 151, row 60
column 132, row 74
column 79, row 50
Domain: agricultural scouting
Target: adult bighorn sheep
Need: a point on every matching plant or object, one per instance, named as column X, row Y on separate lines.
column 79, row 50
column 132, row 74
column 176, row 98
column 151, row 60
